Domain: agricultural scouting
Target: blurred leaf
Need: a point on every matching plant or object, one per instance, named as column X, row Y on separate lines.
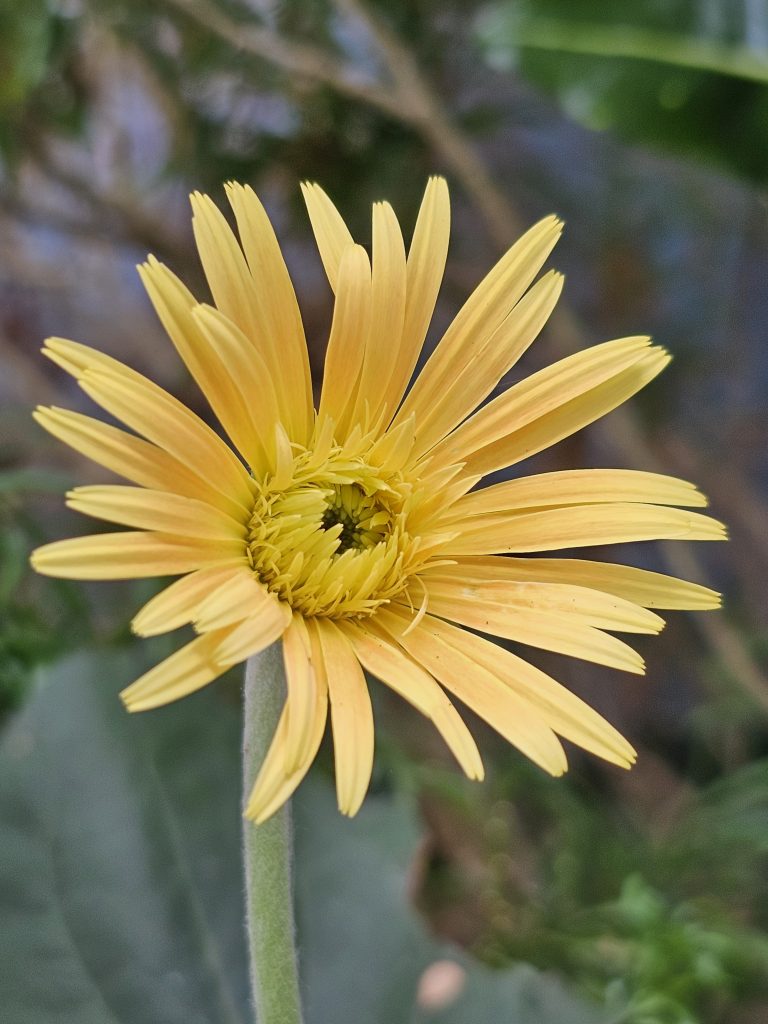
column 654, row 73
column 120, row 874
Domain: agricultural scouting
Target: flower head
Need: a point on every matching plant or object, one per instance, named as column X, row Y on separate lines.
column 357, row 533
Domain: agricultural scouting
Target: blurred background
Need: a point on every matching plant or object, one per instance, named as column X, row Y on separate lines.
column 639, row 897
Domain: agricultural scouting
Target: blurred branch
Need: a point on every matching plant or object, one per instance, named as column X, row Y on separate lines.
column 411, row 99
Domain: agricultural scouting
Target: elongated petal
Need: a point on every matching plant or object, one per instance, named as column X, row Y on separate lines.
column 562, row 710
column 579, row 487
column 643, row 587
column 482, row 314
column 593, row 607
column 479, row 689
column 580, row 526
column 302, row 693
column 385, row 330
column 131, row 555
column 177, row 604
column 424, row 274
column 351, row 717
column 151, row 411
column 274, row 287
column 175, row 306
column 351, row 320
column 392, row 666
column 538, row 627
column 483, row 364
column 130, row 457
column 184, row 672
column 251, row 636
column 240, row 596
column 552, row 404
column 273, row 786
column 331, row 233
column 155, row 510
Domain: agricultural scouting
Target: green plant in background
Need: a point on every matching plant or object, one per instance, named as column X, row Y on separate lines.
column 689, row 77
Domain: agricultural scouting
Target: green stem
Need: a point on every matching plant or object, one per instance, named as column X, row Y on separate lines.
column 267, row 853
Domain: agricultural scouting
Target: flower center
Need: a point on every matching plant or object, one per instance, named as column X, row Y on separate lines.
column 332, row 539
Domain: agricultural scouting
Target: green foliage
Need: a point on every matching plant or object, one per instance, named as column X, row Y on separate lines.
column 655, row 73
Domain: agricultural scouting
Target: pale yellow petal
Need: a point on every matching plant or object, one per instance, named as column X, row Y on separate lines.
column 273, row 786
column 579, row 487
column 549, row 630
column 523, row 418
column 273, row 284
column 643, row 587
column 387, row 317
column 562, row 710
column 131, row 457
column 176, row 605
column 155, row 510
column 175, row 306
column 580, row 526
column 302, row 693
column 478, row 688
column 151, row 411
column 252, row 635
column 408, row 679
column 351, row 320
column 239, row 596
column 424, row 268
column 130, row 555
column 331, row 233
column 242, row 300
column 591, row 606
column 351, row 717
column 486, row 360
column 482, row 314
column 184, row 672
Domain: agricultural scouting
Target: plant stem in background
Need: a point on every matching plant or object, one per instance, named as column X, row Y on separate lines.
column 267, row 852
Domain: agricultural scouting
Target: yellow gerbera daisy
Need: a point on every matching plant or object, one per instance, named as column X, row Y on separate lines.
column 356, row 532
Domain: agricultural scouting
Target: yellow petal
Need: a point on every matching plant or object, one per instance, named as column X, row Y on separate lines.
column 239, row 596
column 552, row 403
column 562, row 710
column 331, row 233
column 151, row 411
column 387, row 316
column 302, row 694
column 175, row 306
column 351, row 717
column 580, row 526
column 273, row 284
column 351, row 319
column 424, row 269
column 478, row 688
column 273, row 786
column 129, row 555
column 549, row 630
column 393, row 667
column 579, row 487
column 131, row 457
column 482, row 314
column 176, row 605
column 252, row 635
column 643, row 587
column 185, row 671
column 155, row 510
column 481, row 366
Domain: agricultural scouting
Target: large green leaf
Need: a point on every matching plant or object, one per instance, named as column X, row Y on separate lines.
column 120, row 887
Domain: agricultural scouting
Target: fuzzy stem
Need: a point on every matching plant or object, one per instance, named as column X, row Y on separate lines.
column 267, row 852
